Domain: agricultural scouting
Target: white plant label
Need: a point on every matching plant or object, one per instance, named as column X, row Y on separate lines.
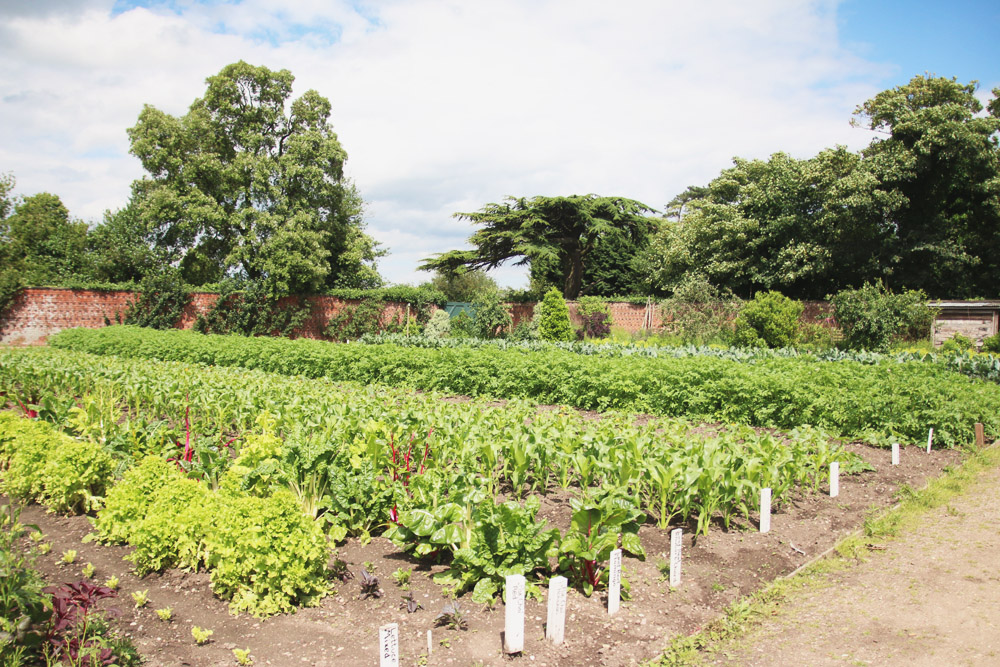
column 555, row 626
column 430, row 643
column 930, row 440
column 895, row 453
column 765, row 510
column 834, row 479
column 514, row 613
column 615, row 582
column 675, row 557
column 388, row 642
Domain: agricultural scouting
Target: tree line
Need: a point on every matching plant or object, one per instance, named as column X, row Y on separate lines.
column 917, row 209
column 249, row 186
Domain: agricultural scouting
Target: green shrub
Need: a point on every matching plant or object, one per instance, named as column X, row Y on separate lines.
column 266, row 554
column 439, row 326
column 161, row 301
column 769, row 320
column 492, row 318
column 353, row 321
column 596, row 317
column 991, row 344
column 958, row 344
column 873, row 317
column 554, row 324
column 815, row 336
column 699, row 313
column 463, row 326
column 251, row 309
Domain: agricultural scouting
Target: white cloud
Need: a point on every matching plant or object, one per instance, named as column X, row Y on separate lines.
column 444, row 106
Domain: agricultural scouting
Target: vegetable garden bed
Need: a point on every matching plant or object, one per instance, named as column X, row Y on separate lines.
column 237, row 475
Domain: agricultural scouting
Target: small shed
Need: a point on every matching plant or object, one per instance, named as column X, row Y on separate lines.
column 975, row 320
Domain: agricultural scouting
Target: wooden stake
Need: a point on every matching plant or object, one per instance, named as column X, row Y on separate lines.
column 555, row 626
column 388, row 641
column 514, row 613
column 765, row 510
column 980, row 435
column 615, row 582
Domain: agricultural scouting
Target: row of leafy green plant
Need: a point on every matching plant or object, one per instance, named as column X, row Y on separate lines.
column 880, row 401
column 359, row 461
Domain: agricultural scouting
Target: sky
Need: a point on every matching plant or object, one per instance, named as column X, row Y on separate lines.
column 445, row 106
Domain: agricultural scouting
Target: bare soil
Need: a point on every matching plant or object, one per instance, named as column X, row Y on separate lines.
column 343, row 630
column 932, row 597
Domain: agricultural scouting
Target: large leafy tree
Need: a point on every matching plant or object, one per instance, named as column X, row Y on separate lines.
column 41, row 240
column 919, row 208
column 799, row 226
column 551, row 232
column 939, row 156
column 250, row 183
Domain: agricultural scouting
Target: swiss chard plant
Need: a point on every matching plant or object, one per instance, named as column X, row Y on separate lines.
column 593, row 534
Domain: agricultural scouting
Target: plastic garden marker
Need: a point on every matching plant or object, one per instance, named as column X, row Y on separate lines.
column 980, row 435
column 430, row 644
column 765, row 510
column 514, row 613
column 555, row 626
column 388, row 641
column 675, row 557
column 895, row 453
column 615, row 582
column 834, row 479
column 930, row 439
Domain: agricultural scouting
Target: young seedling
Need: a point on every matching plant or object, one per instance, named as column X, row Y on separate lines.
column 69, row 556
column 445, row 642
column 112, row 582
column 201, row 636
column 141, row 598
column 409, row 604
column 88, row 570
column 243, row 656
column 402, row 578
column 369, row 586
column 165, row 614
column 339, row 570
column 369, row 566
column 452, row 616
column 44, row 548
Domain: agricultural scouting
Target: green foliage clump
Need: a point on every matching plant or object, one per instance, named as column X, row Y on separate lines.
column 439, row 326
column 492, row 317
column 128, row 502
column 267, row 555
column 699, row 313
column 874, row 317
column 596, row 316
column 175, row 527
column 252, row 309
column 991, row 344
column 554, row 324
column 24, row 609
column 48, row 466
column 353, row 321
column 958, row 344
column 160, row 303
column 769, row 320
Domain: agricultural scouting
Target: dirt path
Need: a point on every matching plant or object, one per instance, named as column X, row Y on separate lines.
column 932, row 597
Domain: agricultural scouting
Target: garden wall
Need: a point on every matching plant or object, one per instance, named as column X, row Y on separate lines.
column 38, row 312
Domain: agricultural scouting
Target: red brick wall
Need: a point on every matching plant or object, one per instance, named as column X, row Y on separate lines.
column 37, row 313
